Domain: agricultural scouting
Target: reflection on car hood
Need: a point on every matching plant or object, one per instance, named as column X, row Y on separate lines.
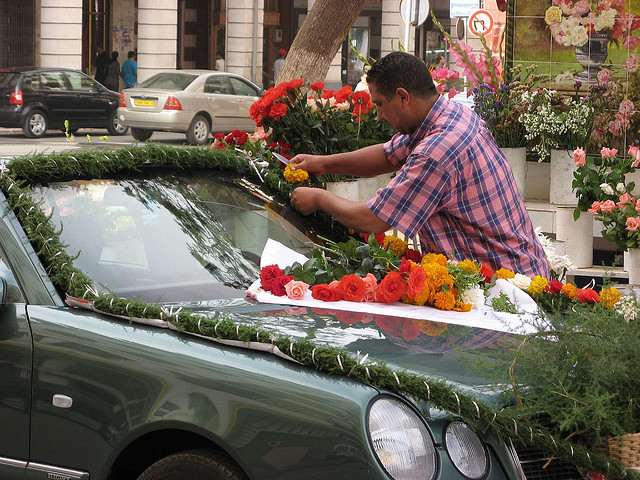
column 433, row 349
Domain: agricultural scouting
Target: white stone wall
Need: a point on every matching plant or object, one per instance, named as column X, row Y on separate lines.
column 61, row 33
column 244, row 38
column 157, row 37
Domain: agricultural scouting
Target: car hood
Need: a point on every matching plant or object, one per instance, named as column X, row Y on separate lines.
column 436, row 350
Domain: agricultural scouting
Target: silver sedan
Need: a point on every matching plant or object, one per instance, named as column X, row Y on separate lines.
column 195, row 102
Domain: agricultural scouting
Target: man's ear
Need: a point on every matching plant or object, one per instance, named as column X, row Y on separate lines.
column 404, row 95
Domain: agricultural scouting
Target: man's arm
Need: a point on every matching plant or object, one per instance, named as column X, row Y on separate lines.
column 355, row 215
column 365, row 162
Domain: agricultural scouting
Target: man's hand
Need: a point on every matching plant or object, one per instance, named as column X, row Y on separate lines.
column 310, row 163
column 306, row 199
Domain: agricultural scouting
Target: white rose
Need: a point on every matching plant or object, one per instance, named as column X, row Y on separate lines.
column 474, row 296
column 620, row 188
column 605, row 20
column 521, row 281
column 606, row 188
column 578, row 35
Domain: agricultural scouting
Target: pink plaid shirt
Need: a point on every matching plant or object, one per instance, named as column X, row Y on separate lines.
column 456, row 189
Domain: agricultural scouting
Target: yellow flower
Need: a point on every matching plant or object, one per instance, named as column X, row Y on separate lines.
column 537, row 285
column 609, row 297
column 468, row 265
column 462, row 307
column 569, row 289
column 294, row 176
column 445, row 301
column 505, row 274
column 395, row 244
column 553, row 15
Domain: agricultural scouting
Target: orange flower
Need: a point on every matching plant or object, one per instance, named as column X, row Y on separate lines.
column 391, row 288
column 353, row 288
column 505, row 274
column 434, row 258
column 609, row 297
column 417, row 281
column 323, row 292
column 444, row 300
column 569, row 289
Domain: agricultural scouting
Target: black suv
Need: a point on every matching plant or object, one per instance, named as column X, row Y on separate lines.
column 36, row 99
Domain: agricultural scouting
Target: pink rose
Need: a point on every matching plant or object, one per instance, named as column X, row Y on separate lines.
column 595, row 207
column 608, row 206
column 370, row 282
column 638, row 206
column 608, row 152
column 296, row 289
column 631, row 65
column 633, row 223
column 579, row 157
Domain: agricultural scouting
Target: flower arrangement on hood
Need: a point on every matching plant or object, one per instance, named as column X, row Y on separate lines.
column 611, row 197
column 572, row 22
column 321, row 121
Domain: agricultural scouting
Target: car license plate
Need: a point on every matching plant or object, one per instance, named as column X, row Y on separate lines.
column 144, row 103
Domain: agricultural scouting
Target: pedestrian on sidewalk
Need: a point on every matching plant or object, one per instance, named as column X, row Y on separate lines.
column 130, row 70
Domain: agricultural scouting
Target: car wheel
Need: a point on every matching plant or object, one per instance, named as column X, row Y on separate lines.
column 141, row 134
column 198, row 132
column 115, row 127
column 197, row 464
column 35, row 125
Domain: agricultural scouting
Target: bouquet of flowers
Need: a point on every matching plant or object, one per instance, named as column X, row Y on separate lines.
column 322, row 122
column 573, row 22
column 612, row 201
column 556, row 121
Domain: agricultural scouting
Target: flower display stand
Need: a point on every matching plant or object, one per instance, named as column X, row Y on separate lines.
column 632, row 265
column 360, row 189
column 561, row 177
column 517, row 158
column 577, row 235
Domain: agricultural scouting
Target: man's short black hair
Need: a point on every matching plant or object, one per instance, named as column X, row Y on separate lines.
column 131, row 54
column 399, row 69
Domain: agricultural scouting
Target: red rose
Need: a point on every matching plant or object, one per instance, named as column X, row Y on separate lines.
column 279, row 283
column 405, row 268
column 413, row 255
column 391, row 288
column 353, row 288
column 555, row 286
column 380, row 238
column 343, row 94
column 487, row 272
column 278, row 110
column 587, row 295
column 267, row 275
column 323, row 292
column 337, row 289
column 327, row 94
column 417, row 281
column 317, row 86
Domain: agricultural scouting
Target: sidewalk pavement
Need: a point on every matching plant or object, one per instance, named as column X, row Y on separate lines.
column 14, row 144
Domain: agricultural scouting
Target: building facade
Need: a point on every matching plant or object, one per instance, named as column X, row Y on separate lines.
column 169, row 34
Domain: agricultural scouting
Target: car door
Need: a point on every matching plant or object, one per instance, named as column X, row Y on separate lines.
column 90, row 107
column 246, row 95
column 53, row 92
column 221, row 102
column 15, row 377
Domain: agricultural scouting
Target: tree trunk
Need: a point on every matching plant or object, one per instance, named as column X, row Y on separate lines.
column 320, row 36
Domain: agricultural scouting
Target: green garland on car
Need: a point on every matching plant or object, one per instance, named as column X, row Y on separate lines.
column 72, row 281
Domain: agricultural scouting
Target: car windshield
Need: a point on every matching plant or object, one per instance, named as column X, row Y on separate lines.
column 168, row 238
column 169, row 81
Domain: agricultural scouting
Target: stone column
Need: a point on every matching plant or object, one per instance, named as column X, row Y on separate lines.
column 245, row 20
column 393, row 28
column 157, row 37
column 61, row 33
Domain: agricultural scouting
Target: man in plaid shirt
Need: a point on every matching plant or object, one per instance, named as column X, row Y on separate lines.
column 454, row 187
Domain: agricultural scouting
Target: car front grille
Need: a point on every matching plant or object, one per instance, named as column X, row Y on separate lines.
column 535, row 465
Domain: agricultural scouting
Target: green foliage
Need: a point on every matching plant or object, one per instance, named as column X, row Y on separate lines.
column 502, row 303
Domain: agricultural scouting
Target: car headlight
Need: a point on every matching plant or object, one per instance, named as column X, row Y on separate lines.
column 466, row 450
column 401, row 440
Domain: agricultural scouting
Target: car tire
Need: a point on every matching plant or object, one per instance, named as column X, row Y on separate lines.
column 199, row 464
column 198, row 133
column 141, row 134
column 115, row 127
column 35, row 124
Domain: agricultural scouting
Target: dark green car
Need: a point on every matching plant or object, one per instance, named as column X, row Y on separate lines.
column 87, row 395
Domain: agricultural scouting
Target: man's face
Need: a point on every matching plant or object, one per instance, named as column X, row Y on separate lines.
column 389, row 109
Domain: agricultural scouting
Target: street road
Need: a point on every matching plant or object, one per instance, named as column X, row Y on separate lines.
column 13, row 142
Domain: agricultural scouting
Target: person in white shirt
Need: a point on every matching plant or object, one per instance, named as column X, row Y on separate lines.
column 278, row 64
column 219, row 62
